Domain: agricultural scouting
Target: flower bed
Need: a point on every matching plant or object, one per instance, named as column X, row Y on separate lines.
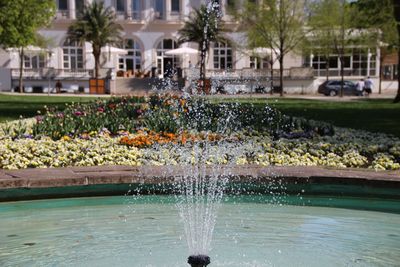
column 171, row 130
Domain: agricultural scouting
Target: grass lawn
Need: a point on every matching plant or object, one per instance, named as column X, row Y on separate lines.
column 375, row 115
column 14, row 106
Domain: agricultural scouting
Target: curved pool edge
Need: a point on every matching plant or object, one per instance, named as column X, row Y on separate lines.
column 28, row 184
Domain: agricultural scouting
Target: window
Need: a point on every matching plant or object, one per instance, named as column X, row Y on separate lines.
column 347, row 62
column 79, row 5
column 62, row 4
column 360, row 63
column 136, row 9
column 34, row 61
column 389, row 72
column 120, row 5
column 333, row 62
column 163, row 60
column 259, row 63
column 175, row 6
column 133, row 60
column 159, row 7
column 222, row 56
column 72, row 55
column 319, row 62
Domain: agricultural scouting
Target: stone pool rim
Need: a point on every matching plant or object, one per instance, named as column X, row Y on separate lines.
column 29, row 184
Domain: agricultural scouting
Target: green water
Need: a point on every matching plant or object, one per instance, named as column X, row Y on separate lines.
column 147, row 231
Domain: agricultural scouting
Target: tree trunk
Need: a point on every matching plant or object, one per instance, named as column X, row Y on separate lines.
column 203, row 67
column 341, row 75
column 397, row 98
column 272, row 78
column 396, row 9
column 21, row 70
column 281, row 74
column 96, row 55
column 380, row 73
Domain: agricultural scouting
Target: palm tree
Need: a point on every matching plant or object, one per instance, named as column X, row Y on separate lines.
column 96, row 24
column 203, row 27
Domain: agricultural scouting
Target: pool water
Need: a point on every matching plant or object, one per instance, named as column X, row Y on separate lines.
column 147, row 231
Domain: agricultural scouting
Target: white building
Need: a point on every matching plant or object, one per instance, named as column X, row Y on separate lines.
column 150, row 29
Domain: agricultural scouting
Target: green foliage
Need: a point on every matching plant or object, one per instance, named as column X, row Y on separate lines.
column 171, row 114
column 276, row 24
column 332, row 26
column 21, row 19
column 378, row 16
column 174, row 115
column 202, row 27
column 96, row 25
column 110, row 116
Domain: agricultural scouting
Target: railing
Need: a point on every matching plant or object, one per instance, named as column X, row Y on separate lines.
column 346, row 72
column 120, row 15
column 248, row 73
column 63, row 14
column 172, row 16
column 46, row 73
column 136, row 15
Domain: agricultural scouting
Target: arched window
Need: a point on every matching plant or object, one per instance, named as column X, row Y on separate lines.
column 133, row 60
column 72, row 55
column 222, row 56
column 164, row 61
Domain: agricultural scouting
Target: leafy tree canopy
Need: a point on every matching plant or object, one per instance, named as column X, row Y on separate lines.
column 21, row 19
column 96, row 25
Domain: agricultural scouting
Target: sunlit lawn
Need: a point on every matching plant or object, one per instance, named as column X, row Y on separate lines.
column 14, row 106
column 376, row 115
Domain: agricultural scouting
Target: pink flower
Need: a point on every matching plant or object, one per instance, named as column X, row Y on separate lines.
column 39, row 119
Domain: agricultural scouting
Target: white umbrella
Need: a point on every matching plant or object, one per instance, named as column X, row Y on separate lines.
column 262, row 51
column 108, row 49
column 182, row 51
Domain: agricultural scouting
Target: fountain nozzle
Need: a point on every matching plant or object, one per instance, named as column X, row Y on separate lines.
column 198, row 260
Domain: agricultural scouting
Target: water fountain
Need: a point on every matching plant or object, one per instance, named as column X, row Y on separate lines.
column 87, row 232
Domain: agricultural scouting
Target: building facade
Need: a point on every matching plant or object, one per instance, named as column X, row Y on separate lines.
column 150, row 29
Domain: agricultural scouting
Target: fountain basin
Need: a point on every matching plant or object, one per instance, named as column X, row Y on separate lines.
column 270, row 217
column 145, row 231
column 28, row 184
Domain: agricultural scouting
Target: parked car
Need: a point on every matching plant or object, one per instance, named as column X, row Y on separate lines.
column 332, row 88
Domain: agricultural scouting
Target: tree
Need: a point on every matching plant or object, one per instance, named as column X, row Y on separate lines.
column 331, row 20
column 20, row 20
column 97, row 26
column 396, row 12
column 377, row 17
column 276, row 24
column 203, row 27
column 319, row 40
